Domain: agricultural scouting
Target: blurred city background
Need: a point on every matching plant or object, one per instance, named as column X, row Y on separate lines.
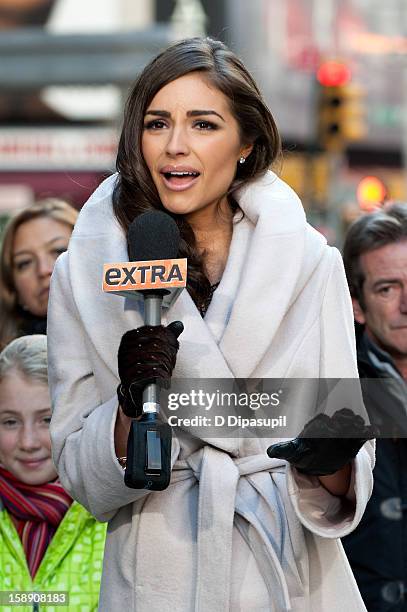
column 332, row 71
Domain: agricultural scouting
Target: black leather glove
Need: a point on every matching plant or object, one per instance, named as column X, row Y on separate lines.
column 318, row 450
column 146, row 355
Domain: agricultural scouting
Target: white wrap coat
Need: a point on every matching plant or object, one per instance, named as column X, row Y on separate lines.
column 235, row 530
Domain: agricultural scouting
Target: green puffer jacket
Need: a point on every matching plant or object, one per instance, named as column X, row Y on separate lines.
column 72, row 562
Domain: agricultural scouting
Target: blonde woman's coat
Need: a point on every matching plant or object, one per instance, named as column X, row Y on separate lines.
column 235, row 530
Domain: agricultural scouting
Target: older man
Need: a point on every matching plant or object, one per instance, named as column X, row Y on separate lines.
column 375, row 256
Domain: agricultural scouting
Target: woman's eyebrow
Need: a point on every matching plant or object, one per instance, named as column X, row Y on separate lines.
column 22, row 252
column 191, row 113
column 198, row 113
column 48, row 243
column 158, row 113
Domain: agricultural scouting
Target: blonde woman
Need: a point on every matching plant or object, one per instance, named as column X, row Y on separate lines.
column 47, row 542
column 32, row 241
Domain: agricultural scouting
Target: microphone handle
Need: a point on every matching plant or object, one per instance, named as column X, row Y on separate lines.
column 152, row 316
column 148, row 463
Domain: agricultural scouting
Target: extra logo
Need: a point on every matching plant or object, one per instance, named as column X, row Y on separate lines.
column 142, row 275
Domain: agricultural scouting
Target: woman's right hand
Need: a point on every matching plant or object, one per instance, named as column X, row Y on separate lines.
column 146, row 355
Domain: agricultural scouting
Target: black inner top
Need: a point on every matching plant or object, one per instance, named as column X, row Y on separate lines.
column 204, row 305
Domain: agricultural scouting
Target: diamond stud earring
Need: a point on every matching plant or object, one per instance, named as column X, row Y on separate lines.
column 242, row 160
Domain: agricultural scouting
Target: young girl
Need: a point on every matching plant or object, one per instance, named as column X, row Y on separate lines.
column 47, row 542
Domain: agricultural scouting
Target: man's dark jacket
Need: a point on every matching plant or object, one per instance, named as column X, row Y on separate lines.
column 377, row 549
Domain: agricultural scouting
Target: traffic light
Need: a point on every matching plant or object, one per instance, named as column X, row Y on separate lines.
column 341, row 111
column 371, row 192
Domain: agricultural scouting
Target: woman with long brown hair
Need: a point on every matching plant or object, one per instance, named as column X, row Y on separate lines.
column 266, row 297
column 31, row 243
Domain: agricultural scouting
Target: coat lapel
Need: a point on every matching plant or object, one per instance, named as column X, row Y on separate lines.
column 98, row 239
column 199, row 355
column 273, row 273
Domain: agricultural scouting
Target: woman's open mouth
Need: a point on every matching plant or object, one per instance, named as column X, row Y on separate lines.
column 178, row 180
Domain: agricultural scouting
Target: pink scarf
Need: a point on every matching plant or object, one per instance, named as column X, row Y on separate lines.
column 36, row 511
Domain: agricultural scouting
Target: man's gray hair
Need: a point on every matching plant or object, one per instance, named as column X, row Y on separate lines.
column 369, row 232
column 27, row 355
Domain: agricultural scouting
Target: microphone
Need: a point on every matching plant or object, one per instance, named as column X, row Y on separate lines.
column 153, row 242
column 155, row 275
column 153, row 236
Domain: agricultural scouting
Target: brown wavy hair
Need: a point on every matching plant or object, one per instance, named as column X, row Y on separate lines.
column 10, row 312
column 135, row 191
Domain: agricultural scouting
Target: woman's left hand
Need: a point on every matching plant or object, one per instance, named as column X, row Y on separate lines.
column 324, row 446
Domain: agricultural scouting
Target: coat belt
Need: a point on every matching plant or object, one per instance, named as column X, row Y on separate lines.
column 219, row 475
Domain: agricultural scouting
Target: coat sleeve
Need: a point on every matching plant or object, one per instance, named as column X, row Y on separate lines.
column 322, row 513
column 82, row 427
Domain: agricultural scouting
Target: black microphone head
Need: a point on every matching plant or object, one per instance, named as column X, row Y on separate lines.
column 153, row 235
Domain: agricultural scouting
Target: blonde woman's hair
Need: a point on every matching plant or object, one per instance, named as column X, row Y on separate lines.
column 53, row 208
column 27, row 355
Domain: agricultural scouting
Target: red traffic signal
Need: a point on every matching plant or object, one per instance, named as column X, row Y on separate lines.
column 333, row 73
